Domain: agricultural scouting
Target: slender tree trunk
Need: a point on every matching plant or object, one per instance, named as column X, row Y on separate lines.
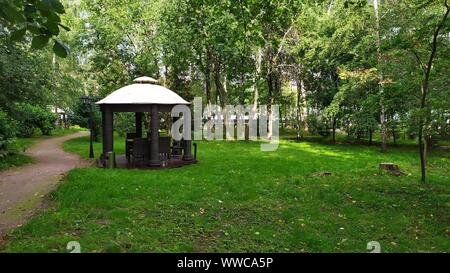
column 221, row 90
column 278, row 95
column 270, row 85
column 299, row 108
column 166, row 75
column 258, row 61
column 393, row 136
column 208, row 78
column 219, row 85
column 334, row 129
column 370, row 136
column 382, row 106
column 269, row 106
column 423, row 100
column 422, row 156
column 304, row 108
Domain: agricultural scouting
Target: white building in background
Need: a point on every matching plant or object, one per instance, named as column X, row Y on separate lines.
column 60, row 114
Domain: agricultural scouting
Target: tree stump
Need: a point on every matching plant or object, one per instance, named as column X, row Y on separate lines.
column 322, row 174
column 392, row 168
column 389, row 167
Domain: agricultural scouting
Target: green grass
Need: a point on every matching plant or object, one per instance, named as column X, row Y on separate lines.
column 238, row 199
column 60, row 131
column 81, row 146
column 14, row 160
column 17, row 158
column 402, row 139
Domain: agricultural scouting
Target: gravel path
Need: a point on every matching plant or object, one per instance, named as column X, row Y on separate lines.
column 22, row 189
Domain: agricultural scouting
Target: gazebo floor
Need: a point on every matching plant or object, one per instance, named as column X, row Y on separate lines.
column 122, row 163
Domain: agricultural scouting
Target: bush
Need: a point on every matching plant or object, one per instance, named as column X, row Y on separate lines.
column 46, row 120
column 7, row 133
column 80, row 116
column 317, row 125
column 124, row 123
column 30, row 117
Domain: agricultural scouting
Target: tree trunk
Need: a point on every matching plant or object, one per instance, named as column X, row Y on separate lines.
column 219, row 85
column 269, row 106
column 422, row 157
column 258, row 61
column 298, row 112
column 208, row 79
column 278, row 96
column 221, row 90
column 270, row 85
column 370, row 136
column 304, row 107
column 425, row 86
column 334, row 129
column 302, row 113
column 382, row 106
column 393, row 136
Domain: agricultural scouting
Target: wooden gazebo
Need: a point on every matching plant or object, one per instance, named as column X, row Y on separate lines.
column 144, row 96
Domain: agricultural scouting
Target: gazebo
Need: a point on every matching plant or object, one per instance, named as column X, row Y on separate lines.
column 144, row 96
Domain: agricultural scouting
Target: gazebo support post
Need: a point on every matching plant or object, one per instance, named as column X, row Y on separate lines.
column 154, row 135
column 176, row 152
column 108, row 136
column 138, row 118
column 187, row 156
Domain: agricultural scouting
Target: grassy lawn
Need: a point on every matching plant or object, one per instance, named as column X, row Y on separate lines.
column 21, row 144
column 14, row 160
column 17, row 159
column 238, row 199
column 65, row 131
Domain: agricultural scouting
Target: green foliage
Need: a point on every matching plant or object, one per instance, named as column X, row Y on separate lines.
column 30, row 117
column 7, row 134
column 41, row 19
column 60, row 49
column 120, row 39
column 80, row 115
column 237, row 52
column 14, row 160
column 46, row 121
column 318, row 125
column 124, row 123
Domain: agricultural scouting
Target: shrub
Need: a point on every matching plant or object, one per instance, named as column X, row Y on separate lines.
column 30, row 117
column 317, row 125
column 7, row 133
column 80, row 116
column 46, row 120
column 124, row 123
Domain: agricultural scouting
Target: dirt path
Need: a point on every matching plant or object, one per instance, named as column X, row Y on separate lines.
column 22, row 189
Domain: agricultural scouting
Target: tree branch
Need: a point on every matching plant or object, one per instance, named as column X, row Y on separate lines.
column 433, row 52
column 419, row 61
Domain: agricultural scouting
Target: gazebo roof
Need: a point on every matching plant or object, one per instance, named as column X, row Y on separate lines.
column 145, row 90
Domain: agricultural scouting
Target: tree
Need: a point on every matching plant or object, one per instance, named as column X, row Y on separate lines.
column 80, row 115
column 41, row 19
column 425, row 110
column 421, row 37
column 381, row 81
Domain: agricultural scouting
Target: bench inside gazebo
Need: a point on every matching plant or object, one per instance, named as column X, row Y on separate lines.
column 151, row 150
